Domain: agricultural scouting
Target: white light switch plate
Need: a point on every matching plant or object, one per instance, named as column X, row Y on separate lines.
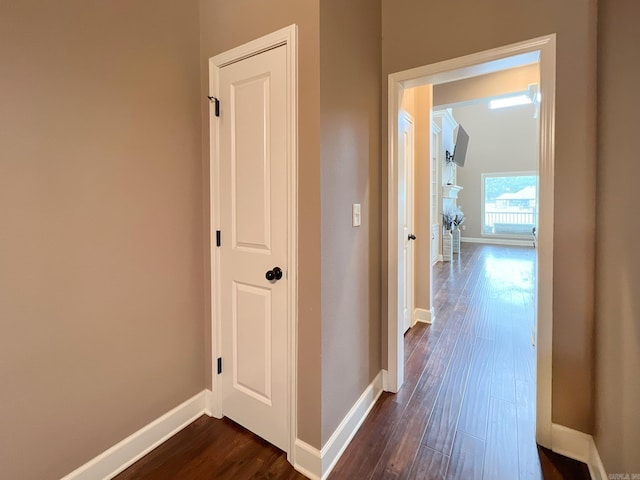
column 356, row 217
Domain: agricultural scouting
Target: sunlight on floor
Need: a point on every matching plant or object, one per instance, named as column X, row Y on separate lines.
column 509, row 273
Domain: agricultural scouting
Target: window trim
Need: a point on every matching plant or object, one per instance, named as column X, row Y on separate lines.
column 524, row 173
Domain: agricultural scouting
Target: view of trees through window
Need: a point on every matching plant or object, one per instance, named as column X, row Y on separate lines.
column 510, row 204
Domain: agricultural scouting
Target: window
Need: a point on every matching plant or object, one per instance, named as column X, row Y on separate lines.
column 510, row 102
column 509, row 203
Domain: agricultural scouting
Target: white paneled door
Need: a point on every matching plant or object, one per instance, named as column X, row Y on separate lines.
column 253, row 252
column 405, row 217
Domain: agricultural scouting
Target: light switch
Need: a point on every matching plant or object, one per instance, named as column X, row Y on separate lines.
column 356, row 217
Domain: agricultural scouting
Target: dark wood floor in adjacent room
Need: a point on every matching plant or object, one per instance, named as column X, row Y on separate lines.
column 466, row 409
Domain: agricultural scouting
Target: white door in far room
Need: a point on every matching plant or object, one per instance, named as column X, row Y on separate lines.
column 253, row 223
column 405, row 217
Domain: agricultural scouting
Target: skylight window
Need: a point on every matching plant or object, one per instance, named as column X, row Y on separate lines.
column 510, row 101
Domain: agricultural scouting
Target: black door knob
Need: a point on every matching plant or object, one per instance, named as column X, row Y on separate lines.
column 275, row 274
column 412, row 236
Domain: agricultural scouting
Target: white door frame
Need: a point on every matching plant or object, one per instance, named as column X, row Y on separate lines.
column 286, row 37
column 456, row 69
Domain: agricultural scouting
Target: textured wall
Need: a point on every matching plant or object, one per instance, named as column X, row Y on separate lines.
column 101, row 303
column 350, row 156
column 422, row 201
column 617, row 393
column 417, row 33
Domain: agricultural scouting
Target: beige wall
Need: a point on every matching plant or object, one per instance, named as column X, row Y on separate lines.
column 490, row 85
column 416, row 33
column 104, row 174
column 101, row 303
column 422, row 198
column 408, row 103
column 417, row 102
column 617, row 399
column 500, row 141
column 350, row 93
column 228, row 24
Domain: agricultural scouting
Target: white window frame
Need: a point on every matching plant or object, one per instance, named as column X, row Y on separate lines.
column 526, row 173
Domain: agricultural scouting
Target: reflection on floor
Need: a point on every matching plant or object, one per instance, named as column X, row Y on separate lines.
column 467, row 407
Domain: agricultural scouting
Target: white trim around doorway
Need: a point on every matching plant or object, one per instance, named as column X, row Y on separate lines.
column 457, row 69
column 286, row 37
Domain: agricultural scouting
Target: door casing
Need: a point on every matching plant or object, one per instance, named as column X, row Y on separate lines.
column 457, row 69
column 286, row 37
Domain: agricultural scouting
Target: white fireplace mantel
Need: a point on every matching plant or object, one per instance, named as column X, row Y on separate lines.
column 451, row 191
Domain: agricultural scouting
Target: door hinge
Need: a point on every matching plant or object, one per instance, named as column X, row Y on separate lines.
column 219, row 365
column 216, row 102
column 218, row 236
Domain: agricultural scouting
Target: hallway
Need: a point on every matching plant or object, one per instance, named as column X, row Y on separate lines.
column 466, row 409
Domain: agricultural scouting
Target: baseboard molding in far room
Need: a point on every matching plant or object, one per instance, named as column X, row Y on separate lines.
column 318, row 464
column 123, row 454
column 579, row 446
column 422, row 315
column 498, row 241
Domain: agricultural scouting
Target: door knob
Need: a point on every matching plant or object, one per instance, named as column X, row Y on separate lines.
column 412, row 236
column 273, row 275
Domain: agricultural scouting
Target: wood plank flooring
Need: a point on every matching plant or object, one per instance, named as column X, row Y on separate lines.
column 470, row 412
column 210, row 448
column 466, row 409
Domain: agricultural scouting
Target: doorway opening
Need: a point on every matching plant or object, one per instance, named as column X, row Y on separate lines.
column 442, row 193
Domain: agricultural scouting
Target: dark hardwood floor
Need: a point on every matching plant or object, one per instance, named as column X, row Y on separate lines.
column 467, row 408
column 465, row 411
column 210, row 448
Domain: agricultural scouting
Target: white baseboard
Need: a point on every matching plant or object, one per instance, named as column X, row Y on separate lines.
column 385, row 380
column 308, row 460
column 422, row 315
column 498, row 241
column 570, row 443
column 596, row 467
column 114, row 460
column 208, row 403
column 342, row 436
column 317, row 464
column 579, row 446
